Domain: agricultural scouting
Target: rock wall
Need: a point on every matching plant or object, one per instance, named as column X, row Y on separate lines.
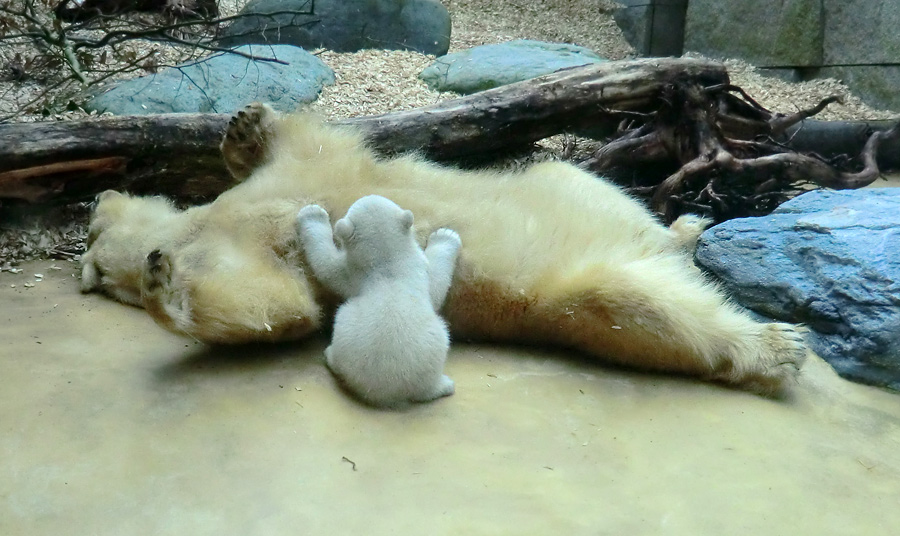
column 853, row 40
column 653, row 27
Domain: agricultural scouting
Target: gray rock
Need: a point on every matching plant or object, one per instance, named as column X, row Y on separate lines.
column 222, row 83
column 767, row 33
column 829, row 259
column 489, row 66
column 345, row 25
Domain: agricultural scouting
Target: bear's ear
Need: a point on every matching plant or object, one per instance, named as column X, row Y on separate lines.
column 406, row 219
column 343, row 229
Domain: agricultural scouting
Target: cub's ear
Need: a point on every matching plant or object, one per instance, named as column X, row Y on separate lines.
column 406, row 219
column 343, row 229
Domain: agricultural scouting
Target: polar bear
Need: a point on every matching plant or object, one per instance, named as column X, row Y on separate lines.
column 388, row 344
column 553, row 256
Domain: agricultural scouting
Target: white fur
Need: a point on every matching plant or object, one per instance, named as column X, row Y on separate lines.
column 389, row 345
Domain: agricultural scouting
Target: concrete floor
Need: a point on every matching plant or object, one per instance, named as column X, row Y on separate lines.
column 110, row 425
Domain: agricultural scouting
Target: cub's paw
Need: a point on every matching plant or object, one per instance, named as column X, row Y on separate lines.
column 445, row 236
column 246, row 139
column 781, row 356
column 312, row 213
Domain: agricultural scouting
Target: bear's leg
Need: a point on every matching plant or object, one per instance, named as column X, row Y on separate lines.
column 327, row 262
column 441, row 252
column 658, row 313
column 247, row 139
column 227, row 298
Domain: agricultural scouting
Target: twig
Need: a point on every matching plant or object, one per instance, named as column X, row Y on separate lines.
column 348, row 460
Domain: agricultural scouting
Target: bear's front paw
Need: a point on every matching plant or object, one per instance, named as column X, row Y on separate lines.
column 312, row 213
column 445, row 236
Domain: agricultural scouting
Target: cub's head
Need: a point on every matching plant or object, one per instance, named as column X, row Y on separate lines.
column 375, row 227
column 123, row 230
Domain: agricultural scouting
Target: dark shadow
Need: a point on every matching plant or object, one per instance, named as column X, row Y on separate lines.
column 222, row 360
column 591, row 364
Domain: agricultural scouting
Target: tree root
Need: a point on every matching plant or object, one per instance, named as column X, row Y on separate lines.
column 725, row 154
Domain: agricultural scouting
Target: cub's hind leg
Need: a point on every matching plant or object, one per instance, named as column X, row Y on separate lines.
column 248, row 138
column 444, row 387
column 658, row 313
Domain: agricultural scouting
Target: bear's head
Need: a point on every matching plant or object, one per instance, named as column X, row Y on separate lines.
column 375, row 229
column 113, row 263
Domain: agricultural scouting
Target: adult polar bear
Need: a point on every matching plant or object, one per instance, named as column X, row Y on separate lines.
column 552, row 255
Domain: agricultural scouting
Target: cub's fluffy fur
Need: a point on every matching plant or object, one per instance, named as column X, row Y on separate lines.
column 389, row 345
column 553, row 255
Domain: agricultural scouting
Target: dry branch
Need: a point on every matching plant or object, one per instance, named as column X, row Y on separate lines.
column 178, row 154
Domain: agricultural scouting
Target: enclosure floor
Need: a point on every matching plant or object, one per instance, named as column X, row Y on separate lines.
column 111, row 425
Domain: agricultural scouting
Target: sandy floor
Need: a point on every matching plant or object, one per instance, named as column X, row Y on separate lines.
column 110, row 425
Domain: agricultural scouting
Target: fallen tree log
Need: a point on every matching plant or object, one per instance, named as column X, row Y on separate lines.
column 177, row 154
column 832, row 138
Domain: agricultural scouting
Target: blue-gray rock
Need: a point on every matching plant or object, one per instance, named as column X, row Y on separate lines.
column 344, row 25
column 222, row 83
column 489, row 66
column 829, row 259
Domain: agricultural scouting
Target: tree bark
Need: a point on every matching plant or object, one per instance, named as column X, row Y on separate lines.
column 178, row 155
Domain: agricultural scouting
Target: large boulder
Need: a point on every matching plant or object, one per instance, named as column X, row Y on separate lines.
column 489, row 66
column 344, row 25
column 828, row 259
column 767, row 33
column 222, row 83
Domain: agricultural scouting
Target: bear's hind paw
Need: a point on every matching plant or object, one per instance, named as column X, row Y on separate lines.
column 246, row 139
column 781, row 357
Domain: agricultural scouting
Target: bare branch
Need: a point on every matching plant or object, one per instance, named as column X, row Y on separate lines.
column 72, row 44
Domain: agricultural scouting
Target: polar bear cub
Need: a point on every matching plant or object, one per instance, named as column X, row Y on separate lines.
column 389, row 345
